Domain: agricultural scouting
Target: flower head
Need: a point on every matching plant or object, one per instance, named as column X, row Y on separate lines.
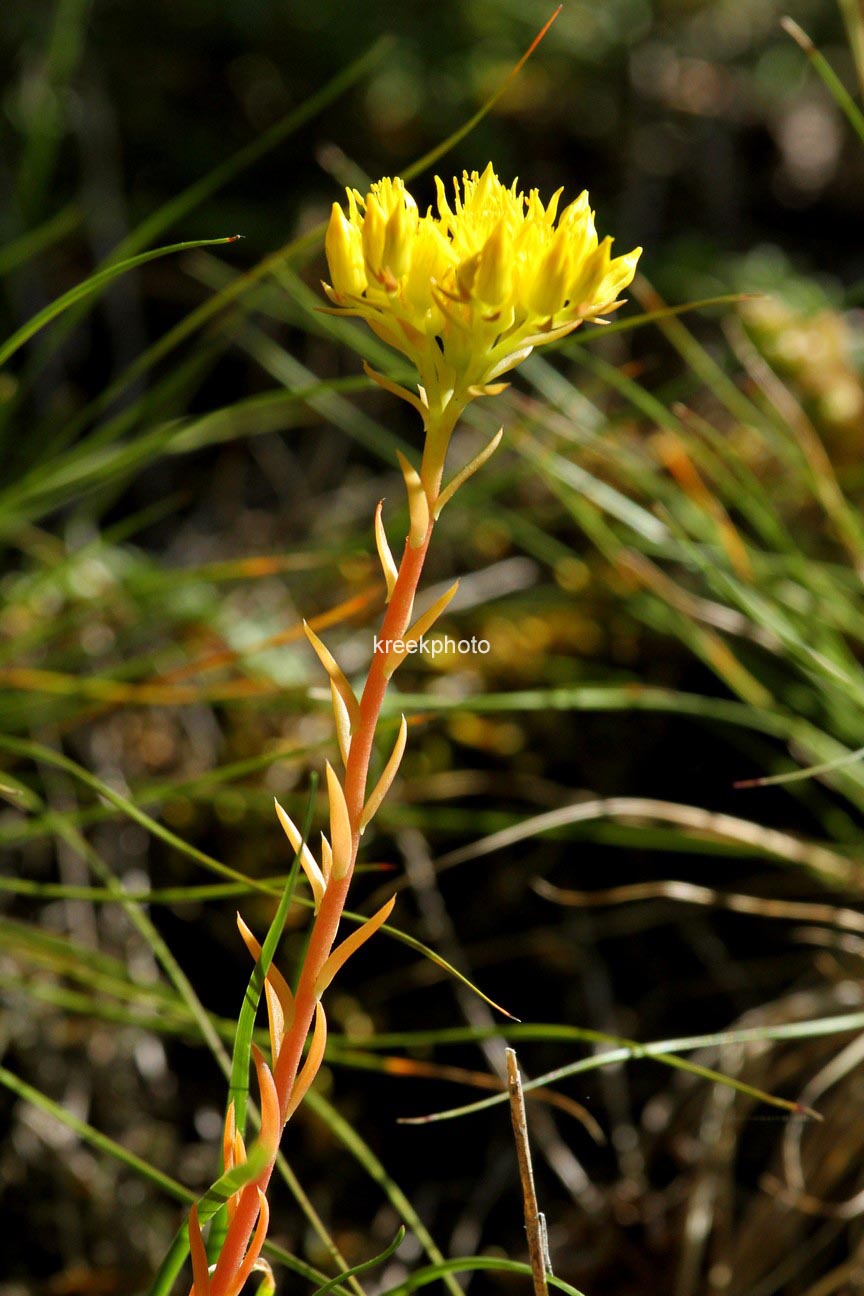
column 468, row 292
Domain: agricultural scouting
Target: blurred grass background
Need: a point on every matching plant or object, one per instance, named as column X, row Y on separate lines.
column 665, row 558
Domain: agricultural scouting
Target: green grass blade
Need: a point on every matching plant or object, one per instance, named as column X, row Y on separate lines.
column 361, row 1151
column 178, row 207
column 104, row 895
column 829, row 77
column 429, row 159
column 470, row 1264
column 437, row 959
column 365, row 1266
column 853, row 15
column 23, row 249
column 625, row 1053
column 39, row 752
column 811, row 772
column 664, row 1051
column 161, row 950
column 141, row 1167
column 172, row 1263
column 47, row 106
column 607, row 697
column 582, row 337
column 185, row 328
column 92, row 285
column 231, row 1182
column 95, row 1138
column 564, row 472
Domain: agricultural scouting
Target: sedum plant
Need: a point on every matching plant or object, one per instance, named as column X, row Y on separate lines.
column 465, row 294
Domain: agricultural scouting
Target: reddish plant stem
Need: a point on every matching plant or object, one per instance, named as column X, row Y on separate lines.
column 356, row 773
column 329, row 915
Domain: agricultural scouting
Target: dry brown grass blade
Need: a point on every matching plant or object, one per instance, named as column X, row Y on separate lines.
column 483, row 1080
column 702, row 823
column 690, row 893
column 535, row 1224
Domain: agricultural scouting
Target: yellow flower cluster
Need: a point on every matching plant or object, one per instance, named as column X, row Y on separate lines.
column 466, row 294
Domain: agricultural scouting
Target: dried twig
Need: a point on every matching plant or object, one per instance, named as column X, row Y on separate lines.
column 535, row 1223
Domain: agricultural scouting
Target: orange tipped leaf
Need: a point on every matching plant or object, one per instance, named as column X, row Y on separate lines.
column 312, row 1064
column 388, row 566
column 308, row 863
column 340, row 826
column 418, row 504
column 382, row 787
column 198, row 1252
column 350, row 945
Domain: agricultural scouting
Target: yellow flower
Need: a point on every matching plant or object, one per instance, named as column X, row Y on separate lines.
column 468, row 293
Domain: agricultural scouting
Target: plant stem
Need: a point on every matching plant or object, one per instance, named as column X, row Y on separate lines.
column 440, row 423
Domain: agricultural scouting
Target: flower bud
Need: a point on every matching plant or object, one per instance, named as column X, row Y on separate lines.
column 344, row 250
column 399, row 236
column 620, row 274
column 374, row 230
column 547, row 291
column 583, row 291
column 494, row 282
